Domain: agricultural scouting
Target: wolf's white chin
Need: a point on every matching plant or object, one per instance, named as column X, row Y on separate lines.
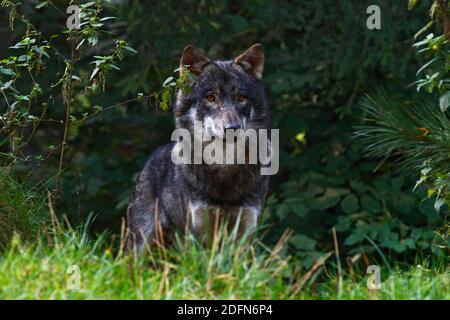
column 211, row 130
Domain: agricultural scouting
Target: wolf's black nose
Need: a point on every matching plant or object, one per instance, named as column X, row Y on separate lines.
column 233, row 126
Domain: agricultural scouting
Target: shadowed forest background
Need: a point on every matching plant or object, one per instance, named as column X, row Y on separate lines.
column 320, row 62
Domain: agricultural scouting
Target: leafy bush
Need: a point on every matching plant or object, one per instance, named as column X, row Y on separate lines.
column 415, row 133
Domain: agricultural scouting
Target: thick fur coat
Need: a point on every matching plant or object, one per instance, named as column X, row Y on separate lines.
column 170, row 197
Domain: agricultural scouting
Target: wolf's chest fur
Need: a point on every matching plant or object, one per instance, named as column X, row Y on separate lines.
column 231, row 185
column 168, row 196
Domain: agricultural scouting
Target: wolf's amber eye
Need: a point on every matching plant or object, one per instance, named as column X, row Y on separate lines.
column 241, row 98
column 211, row 97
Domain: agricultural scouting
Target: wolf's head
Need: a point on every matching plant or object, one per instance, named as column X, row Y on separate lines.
column 225, row 94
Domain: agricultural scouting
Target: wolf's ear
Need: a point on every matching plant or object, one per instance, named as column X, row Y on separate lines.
column 194, row 58
column 252, row 60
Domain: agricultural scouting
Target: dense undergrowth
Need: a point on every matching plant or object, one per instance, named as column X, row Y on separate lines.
column 63, row 262
column 21, row 211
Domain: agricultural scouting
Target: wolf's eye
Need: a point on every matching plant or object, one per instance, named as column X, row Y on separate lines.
column 241, row 98
column 211, row 97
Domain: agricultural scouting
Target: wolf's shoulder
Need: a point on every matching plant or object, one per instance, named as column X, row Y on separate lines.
column 157, row 170
column 160, row 158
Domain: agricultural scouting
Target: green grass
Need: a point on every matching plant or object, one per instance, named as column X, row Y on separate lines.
column 228, row 270
column 21, row 211
column 417, row 282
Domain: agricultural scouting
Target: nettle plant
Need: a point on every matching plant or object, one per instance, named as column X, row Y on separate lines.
column 29, row 99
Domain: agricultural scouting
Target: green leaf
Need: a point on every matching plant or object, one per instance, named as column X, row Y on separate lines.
column 7, row 71
column 411, row 4
column 96, row 70
column 331, row 198
column 370, row 204
column 97, row 108
column 444, row 101
column 350, row 204
column 88, row 4
column 93, row 40
column 167, row 81
column 164, row 104
column 41, row 5
column 81, row 43
column 397, row 183
column 410, row 243
column 40, row 51
column 114, row 66
column 358, row 186
column 130, row 49
column 354, row 238
column 439, row 203
column 425, row 28
column 107, row 18
column 24, row 57
column 297, row 206
column 303, row 242
column 6, row 85
column 426, row 65
column 343, row 224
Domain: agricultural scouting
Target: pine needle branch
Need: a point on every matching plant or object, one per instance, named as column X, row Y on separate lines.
column 415, row 136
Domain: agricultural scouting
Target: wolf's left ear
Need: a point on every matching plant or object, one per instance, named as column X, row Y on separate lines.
column 194, row 58
column 252, row 60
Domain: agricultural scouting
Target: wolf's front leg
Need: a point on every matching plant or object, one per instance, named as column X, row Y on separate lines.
column 146, row 225
column 140, row 233
column 205, row 220
column 199, row 220
column 248, row 220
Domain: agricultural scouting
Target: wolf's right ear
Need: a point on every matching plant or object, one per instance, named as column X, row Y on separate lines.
column 194, row 58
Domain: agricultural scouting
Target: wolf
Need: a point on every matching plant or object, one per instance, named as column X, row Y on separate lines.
column 224, row 95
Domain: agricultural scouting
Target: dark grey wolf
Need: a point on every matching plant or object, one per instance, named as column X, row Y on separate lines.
column 170, row 197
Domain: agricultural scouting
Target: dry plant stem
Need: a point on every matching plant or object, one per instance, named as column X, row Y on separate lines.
column 54, row 219
column 66, row 99
column 299, row 285
column 339, row 270
column 123, row 237
column 67, row 94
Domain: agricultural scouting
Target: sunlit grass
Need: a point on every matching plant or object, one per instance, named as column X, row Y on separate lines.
column 228, row 270
column 418, row 282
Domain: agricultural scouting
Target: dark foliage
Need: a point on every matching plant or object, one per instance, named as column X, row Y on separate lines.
column 321, row 59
